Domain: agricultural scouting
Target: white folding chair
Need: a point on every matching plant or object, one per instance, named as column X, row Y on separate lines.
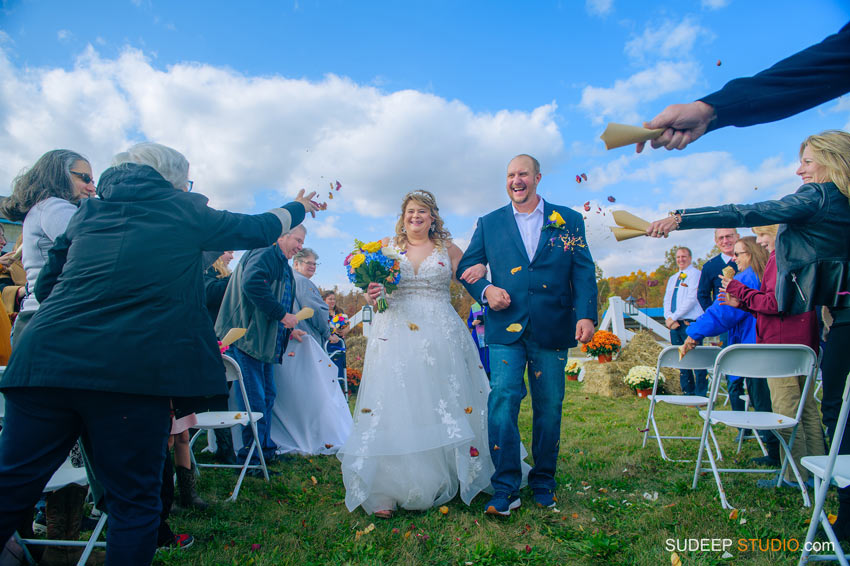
column 333, row 356
column 753, row 435
column 758, row 361
column 827, row 470
column 213, row 420
column 66, row 475
column 701, row 357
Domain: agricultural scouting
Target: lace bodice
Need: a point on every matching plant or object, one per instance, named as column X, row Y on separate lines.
column 430, row 283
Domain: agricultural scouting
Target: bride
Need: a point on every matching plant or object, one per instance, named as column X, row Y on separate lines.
column 420, row 422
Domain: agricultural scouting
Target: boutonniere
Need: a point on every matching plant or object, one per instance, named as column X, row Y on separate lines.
column 554, row 222
column 682, row 277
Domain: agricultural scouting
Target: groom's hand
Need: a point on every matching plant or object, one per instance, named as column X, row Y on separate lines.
column 584, row 330
column 497, row 298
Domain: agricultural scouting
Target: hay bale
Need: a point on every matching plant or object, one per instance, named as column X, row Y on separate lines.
column 642, row 350
column 355, row 351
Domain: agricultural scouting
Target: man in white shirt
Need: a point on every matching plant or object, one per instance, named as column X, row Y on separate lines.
column 681, row 308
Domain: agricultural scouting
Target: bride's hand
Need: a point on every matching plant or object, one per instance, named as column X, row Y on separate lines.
column 474, row 273
column 373, row 291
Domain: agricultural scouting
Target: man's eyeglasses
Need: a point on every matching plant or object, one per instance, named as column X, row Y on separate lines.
column 189, row 185
column 84, row 177
column 311, row 263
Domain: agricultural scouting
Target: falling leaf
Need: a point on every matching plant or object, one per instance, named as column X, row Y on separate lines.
column 755, row 189
column 719, row 62
column 587, row 206
column 496, row 447
column 515, row 269
column 468, row 410
column 578, row 178
column 480, row 366
column 444, row 510
column 733, row 514
column 338, row 185
column 365, row 410
column 329, row 445
column 314, row 480
column 611, row 199
column 412, row 326
column 515, row 327
column 237, row 416
column 675, row 560
column 473, row 451
column 291, row 354
column 331, row 185
column 584, row 176
column 330, row 196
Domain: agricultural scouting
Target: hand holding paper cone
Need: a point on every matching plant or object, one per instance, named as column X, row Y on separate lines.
column 630, row 226
column 304, row 313
column 618, row 135
column 232, row 336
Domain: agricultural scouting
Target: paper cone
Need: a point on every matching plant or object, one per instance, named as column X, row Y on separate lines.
column 304, row 313
column 618, row 135
column 621, row 234
column 629, row 220
column 232, row 336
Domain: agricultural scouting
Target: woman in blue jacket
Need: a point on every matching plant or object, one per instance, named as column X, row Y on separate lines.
column 741, row 326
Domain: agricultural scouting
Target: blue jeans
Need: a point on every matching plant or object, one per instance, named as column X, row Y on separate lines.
column 126, row 436
column 260, row 388
column 693, row 382
column 546, row 382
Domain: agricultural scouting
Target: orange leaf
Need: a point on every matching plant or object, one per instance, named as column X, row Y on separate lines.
column 468, row 410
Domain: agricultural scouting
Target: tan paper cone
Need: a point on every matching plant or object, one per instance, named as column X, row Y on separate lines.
column 304, row 313
column 232, row 336
column 621, row 234
column 629, row 220
column 618, row 135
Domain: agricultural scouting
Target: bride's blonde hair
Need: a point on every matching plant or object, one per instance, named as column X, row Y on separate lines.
column 439, row 235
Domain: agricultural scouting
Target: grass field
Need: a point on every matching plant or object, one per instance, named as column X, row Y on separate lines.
column 618, row 503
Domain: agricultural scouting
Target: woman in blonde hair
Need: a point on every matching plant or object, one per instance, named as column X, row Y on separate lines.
column 812, row 259
column 420, row 428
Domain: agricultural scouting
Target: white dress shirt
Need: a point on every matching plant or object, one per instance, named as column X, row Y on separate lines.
column 529, row 226
column 687, row 305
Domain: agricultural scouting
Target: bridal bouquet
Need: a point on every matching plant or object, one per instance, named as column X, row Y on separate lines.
column 374, row 262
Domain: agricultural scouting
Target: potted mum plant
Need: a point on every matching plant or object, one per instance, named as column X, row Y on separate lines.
column 572, row 370
column 641, row 379
column 603, row 345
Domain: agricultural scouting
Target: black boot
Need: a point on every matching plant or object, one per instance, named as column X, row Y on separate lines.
column 224, row 453
column 186, row 495
column 842, row 523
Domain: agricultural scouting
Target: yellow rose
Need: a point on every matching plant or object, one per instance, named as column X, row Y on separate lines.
column 357, row 260
column 556, row 218
column 372, row 247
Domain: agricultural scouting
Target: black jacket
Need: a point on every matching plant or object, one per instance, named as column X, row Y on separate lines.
column 812, row 246
column 214, row 288
column 122, row 297
column 802, row 81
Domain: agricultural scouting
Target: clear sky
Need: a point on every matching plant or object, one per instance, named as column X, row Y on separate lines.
column 268, row 97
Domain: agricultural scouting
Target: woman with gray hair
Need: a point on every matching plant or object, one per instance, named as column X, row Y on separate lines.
column 122, row 308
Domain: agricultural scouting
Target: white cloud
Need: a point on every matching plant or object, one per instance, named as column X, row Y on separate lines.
column 622, row 100
column 64, row 35
column 715, row 4
column 246, row 136
column 668, row 40
column 325, row 227
column 599, row 7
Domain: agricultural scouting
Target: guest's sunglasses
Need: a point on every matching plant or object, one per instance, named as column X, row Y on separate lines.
column 84, row 177
column 741, row 253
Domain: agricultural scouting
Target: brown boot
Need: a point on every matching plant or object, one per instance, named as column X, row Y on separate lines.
column 57, row 526
column 186, row 495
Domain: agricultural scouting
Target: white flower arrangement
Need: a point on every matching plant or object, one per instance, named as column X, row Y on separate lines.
column 641, row 377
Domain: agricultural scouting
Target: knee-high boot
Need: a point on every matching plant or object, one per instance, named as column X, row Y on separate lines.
column 186, row 494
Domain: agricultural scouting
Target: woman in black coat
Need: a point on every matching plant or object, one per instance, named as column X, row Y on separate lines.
column 121, row 329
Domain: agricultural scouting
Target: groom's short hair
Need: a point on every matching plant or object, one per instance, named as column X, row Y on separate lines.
column 534, row 162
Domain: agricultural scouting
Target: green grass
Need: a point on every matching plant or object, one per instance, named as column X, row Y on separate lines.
column 603, row 516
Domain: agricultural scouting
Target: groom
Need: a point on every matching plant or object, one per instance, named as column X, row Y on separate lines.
column 544, row 285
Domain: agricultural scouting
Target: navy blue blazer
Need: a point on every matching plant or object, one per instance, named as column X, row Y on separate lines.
column 709, row 282
column 549, row 293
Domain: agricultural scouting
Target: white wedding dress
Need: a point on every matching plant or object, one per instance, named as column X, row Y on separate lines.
column 420, row 423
